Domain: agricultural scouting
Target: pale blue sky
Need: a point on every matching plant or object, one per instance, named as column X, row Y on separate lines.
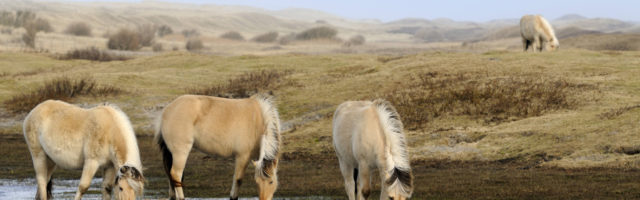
column 468, row 10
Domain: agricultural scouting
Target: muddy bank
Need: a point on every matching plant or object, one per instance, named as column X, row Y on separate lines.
column 319, row 175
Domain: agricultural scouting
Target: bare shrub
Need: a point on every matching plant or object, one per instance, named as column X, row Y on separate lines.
column 164, row 30
column 29, row 37
column 63, row 88
column 431, row 95
column 355, row 40
column 157, row 47
column 147, row 34
column 7, row 18
column 287, row 39
column 190, row 33
column 43, row 25
column 266, row 37
column 23, row 17
column 124, row 39
column 323, row 32
column 244, row 85
column 194, row 44
column 232, row 35
column 7, row 31
column 92, row 53
column 78, row 29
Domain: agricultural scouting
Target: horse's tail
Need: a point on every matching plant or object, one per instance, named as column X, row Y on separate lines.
column 271, row 139
column 49, row 186
column 167, row 159
column 389, row 118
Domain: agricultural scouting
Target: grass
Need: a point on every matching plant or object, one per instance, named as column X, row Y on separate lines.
column 64, row 88
column 570, row 132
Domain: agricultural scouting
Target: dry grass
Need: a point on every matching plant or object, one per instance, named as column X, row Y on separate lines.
column 245, row 85
column 600, row 42
column 64, row 88
column 432, row 94
column 92, row 53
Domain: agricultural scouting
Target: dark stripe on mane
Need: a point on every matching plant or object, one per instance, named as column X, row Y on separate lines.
column 405, row 178
column 267, row 167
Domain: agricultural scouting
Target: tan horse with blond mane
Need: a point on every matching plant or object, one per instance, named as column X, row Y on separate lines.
column 537, row 33
column 239, row 128
column 64, row 135
column 369, row 135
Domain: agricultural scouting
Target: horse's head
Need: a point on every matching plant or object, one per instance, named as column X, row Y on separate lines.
column 129, row 183
column 266, row 178
column 553, row 44
column 399, row 184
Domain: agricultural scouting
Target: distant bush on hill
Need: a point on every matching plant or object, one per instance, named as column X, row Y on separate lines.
column 266, row 37
column 232, row 35
column 194, row 44
column 92, row 53
column 323, row 32
column 164, row 30
column 78, row 29
column 147, row 34
column 355, row 41
column 124, row 39
column 190, row 33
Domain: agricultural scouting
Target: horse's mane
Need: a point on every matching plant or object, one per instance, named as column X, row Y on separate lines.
column 548, row 30
column 271, row 139
column 133, row 154
column 393, row 129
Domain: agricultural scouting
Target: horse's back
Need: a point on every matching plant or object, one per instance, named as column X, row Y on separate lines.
column 527, row 26
column 218, row 122
column 356, row 131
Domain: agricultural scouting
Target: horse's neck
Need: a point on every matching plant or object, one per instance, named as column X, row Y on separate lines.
column 132, row 155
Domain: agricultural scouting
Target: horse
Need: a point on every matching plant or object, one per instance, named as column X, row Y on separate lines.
column 368, row 135
column 65, row 135
column 242, row 128
column 537, row 33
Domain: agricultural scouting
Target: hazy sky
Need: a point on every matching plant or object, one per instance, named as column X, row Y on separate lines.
column 468, row 10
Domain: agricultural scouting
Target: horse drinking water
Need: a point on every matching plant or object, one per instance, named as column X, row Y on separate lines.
column 64, row 135
column 239, row 128
column 369, row 135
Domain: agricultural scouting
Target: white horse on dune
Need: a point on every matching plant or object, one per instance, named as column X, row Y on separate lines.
column 537, row 33
column 242, row 128
column 369, row 135
column 64, row 135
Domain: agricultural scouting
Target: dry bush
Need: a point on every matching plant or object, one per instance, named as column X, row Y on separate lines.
column 266, row 37
column 429, row 35
column 7, row 31
column 43, row 25
column 164, row 30
column 147, row 34
column 323, row 32
column 232, row 35
column 287, row 39
column 157, row 47
column 23, row 17
column 125, row 39
column 194, row 44
column 29, row 37
column 244, row 85
column 7, row 18
column 190, row 33
column 64, row 88
column 355, row 41
column 92, row 53
column 78, row 29
column 431, row 95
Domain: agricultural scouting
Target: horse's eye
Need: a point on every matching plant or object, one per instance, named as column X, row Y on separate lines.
column 270, row 182
column 120, row 188
column 390, row 198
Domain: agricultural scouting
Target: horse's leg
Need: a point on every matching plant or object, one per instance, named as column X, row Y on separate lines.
column 242, row 160
column 364, row 181
column 108, row 180
column 88, row 171
column 177, row 168
column 525, row 44
column 349, row 179
column 536, row 44
column 383, row 185
column 44, row 168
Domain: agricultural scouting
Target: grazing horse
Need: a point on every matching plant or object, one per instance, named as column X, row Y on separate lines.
column 537, row 33
column 239, row 128
column 368, row 135
column 61, row 134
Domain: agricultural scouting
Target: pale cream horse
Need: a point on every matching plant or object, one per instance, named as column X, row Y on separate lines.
column 64, row 135
column 240, row 128
column 368, row 135
column 537, row 33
